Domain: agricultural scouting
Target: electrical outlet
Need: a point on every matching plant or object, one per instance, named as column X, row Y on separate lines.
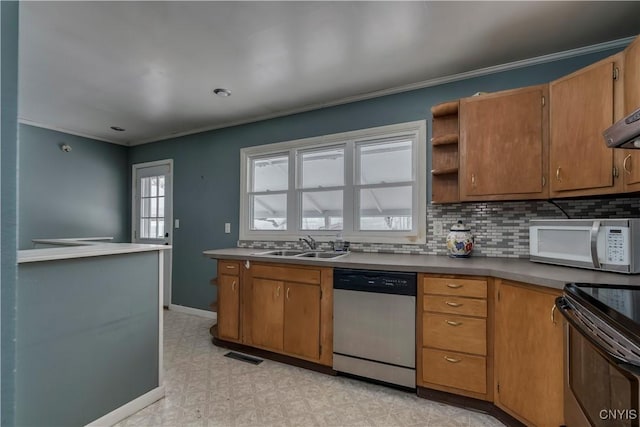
column 227, row 227
column 438, row 227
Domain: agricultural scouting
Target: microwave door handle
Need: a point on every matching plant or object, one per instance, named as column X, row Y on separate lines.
column 593, row 234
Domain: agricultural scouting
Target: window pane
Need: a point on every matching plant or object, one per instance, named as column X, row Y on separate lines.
column 154, row 205
column 161, row 207
column 386, row 208
column 161, row 186
column 323, row 168
column 145, row 207
column 161, row 228
column 385, row 162
column 153, row 228
column 270, row 174
column 144, row 228
column 318, row 206
column 145, row 187
column 154, row 186
column 269, row 212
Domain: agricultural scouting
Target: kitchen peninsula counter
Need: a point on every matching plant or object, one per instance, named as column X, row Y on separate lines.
column 89, row 332
column 516, row 269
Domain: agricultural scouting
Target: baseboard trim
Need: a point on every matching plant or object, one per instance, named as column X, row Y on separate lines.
column 128, row 409
column 468, row 403
column 194, row 311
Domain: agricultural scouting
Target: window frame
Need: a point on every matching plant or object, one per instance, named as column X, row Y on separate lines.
column 415, row 130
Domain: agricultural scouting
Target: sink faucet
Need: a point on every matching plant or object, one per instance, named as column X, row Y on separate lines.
column 310, row 242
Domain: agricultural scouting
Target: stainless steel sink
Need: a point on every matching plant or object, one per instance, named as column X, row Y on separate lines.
column 322, row 254
column 281, row 253
column 299, row 254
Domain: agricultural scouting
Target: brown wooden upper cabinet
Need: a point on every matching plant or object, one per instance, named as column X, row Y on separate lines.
column 582, row 105
column 631, row 161
column 503, row 145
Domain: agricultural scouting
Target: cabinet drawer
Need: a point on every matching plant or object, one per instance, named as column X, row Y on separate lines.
column 455, row 305
column 288, row 274
column 456, row 370
column 450, row 332
column 460, row 287
column 228, row 267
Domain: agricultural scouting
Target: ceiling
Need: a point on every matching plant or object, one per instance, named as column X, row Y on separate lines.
column 150, row 67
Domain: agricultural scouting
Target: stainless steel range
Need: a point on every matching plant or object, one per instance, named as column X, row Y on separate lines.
column 374, row 318
column 602, row 354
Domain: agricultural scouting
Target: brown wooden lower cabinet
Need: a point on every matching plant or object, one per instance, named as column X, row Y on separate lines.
column 302, row 320
column 229, row 307
column 289, row 310
column 267, row 313
column 454, row 346
column 529, row 368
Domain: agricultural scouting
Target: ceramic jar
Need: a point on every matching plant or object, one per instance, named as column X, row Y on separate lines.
column 460, row 241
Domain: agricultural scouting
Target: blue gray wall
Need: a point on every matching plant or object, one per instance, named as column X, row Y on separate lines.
column 207, row 165
column 87, row 337
column 8, row 216
column 82, row 193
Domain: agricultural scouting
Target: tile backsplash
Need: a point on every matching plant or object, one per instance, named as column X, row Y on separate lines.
column 501, row 229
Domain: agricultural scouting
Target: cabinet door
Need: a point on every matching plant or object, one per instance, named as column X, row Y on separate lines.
column 267, row 316
column 503, row 145
column 529, row 355
column 631, row 163
column 582, row 107
column 229, row 307
column 302, row 320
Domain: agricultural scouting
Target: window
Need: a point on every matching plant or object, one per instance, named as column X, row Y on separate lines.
column 152, row 207
column 369, row 185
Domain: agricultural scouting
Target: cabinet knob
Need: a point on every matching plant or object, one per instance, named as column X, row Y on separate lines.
column 473, row 180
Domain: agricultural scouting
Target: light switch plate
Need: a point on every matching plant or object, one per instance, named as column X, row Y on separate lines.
column 176, row 223
column 227, row 227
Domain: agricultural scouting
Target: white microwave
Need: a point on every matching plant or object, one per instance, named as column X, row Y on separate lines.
column 598, row 244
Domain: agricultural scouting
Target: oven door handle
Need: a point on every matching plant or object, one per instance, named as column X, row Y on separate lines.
column 566, row 312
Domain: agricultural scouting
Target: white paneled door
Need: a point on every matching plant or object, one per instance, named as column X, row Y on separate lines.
column 152, row 215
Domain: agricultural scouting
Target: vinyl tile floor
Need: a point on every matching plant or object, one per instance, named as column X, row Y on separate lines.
column 204, row 388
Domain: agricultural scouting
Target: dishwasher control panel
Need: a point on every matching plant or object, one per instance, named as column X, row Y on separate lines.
column 377, row 281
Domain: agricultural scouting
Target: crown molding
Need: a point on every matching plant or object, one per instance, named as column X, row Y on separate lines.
column 24, row 121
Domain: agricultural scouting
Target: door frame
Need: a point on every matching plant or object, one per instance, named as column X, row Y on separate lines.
column 134, row 218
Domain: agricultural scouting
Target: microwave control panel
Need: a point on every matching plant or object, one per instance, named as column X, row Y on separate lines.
column 617, row 239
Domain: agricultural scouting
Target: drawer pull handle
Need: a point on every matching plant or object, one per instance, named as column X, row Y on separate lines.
column 278, row 292
column 453, row 304
column 288, row 289
column 453, row 286
column 229, row 267
column 452, row 323
column 451, row 359
column 233, row 286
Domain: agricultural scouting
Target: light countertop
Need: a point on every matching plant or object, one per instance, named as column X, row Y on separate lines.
column 83, row 250
column 521, row 270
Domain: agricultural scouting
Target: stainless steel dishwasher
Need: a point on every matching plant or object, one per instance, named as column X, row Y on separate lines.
column 374, row 325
